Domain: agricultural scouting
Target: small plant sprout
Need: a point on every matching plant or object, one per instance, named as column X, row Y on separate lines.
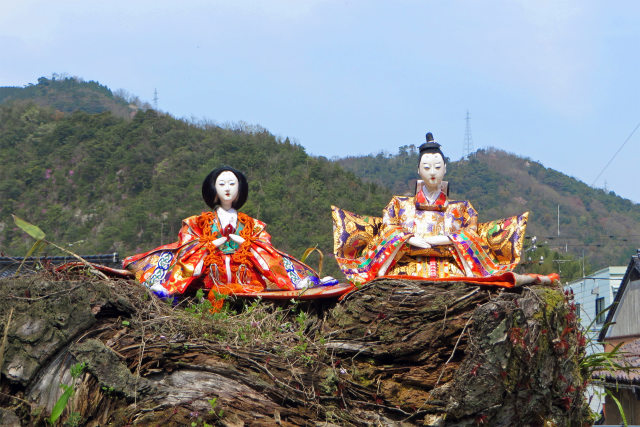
column 69, row 390
column 35, row 232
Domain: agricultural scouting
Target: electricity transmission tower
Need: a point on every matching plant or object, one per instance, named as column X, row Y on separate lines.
column 468, row 140
column 155, row 99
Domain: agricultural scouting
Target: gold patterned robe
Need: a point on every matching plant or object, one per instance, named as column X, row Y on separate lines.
column 366, row 246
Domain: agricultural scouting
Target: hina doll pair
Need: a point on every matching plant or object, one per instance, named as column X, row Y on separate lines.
column 422, row 236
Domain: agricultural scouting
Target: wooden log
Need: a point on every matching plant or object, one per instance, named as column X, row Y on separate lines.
column 392, row 352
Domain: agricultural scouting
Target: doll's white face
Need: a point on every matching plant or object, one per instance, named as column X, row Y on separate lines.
column 432, row 169
column 227, row 188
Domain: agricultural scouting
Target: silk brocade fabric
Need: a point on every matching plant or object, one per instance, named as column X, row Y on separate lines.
column 253, row 266
column 363, row 245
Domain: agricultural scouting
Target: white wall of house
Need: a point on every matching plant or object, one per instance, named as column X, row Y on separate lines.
column 598, row 288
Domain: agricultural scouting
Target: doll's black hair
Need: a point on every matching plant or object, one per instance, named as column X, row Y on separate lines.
column 431, row 146
column 210, row 195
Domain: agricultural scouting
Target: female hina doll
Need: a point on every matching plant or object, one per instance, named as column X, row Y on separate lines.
column 226, row 251
column 426, row 235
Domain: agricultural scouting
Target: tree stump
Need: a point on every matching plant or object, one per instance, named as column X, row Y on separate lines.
column 392, row 352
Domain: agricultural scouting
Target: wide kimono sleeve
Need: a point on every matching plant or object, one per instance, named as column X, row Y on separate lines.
column 276, row 267
column 364, row 246
column 470, row 250
column 175, row 265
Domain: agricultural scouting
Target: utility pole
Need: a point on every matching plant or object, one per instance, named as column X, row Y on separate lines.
column 468, row 140
column 560, row 262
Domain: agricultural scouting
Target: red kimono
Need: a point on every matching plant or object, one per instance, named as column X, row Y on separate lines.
column 253, row 266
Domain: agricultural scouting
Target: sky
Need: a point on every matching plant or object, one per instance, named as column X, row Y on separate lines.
column 555, row 81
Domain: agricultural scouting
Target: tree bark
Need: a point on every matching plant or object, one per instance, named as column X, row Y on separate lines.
column 392, row 352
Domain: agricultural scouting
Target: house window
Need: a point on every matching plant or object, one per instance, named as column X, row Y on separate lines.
column 600, row 310
column 578, row 310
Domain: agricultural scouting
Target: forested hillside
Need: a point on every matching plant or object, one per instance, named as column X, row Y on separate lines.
column 103, row 172
column 102, row 183
column 69, row 94
column 606, row 227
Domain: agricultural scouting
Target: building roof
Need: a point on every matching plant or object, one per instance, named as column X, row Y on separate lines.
column 629, row 356
column 9, row 265
column 632, row 274
column 613, row 271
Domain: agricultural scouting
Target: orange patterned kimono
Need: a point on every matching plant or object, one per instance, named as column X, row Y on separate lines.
column 253, row 266
column 364, row 246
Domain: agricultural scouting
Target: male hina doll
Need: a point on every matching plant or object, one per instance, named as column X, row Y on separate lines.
column 426, row 235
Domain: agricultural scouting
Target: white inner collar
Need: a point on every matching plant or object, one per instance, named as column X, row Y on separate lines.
column 227, row 217
column 431, row 197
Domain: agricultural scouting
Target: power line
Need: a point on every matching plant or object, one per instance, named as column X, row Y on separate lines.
column 576, row 245
column 600, row 236
column 616, row 153
column 596, row 245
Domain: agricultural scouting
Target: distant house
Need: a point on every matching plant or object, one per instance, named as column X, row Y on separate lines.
column 622, row 325
column 592, row 295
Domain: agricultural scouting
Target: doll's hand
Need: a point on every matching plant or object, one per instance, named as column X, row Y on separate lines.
column 220, row 241
column 418, row 242
column 238, row 239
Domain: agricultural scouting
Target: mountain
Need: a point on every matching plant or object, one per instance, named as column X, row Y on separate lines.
column 102, row 183
column 599, row 225
column 69, row 94
column 103, row 174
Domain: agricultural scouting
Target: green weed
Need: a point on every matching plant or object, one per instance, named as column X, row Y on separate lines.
column 63, row 400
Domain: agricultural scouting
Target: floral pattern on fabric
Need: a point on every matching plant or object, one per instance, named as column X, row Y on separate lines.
column 504, row 237
column 253, row 266
column 363, row 245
